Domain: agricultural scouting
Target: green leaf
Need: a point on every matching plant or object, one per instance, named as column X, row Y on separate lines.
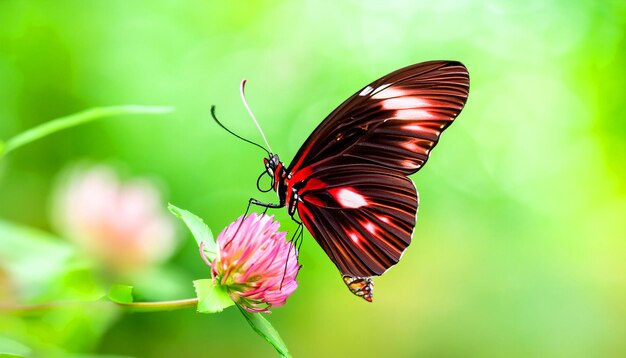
column 199, row 230
column 265, row 329
column 72, row 120
column 211, row 298
column 121, row 294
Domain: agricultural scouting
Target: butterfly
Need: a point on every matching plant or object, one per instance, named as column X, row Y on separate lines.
column 349, row 181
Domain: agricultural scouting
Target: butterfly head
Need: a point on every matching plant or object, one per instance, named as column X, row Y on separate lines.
column 274, row 168
column 272, row 163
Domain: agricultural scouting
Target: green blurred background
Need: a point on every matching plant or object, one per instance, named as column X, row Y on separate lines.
column 520, row 243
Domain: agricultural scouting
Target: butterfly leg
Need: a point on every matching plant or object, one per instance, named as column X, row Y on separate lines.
column 245, row 214
column 298, row 235
column 265, row 205
column 259, row 203
column 296, row 242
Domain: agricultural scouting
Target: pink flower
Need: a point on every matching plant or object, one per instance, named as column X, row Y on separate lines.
column 123, row 226
column 255, row 263
column 7, row 290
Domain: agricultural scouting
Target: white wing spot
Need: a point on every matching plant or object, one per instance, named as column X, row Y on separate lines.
column 383, row 219
column 409, row 164
column 349, row 198
column 367, row 90
column 420, row 129
column 405, row 103
column 413, row 114
column 410, row 145
column 385, row 91
column 415, row 128
column 370, row 227
column 354, row 237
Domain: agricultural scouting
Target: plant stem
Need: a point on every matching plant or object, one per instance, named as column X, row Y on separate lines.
column 72, row 120
column 37, row 307
column 160, row 305
column 132, row 306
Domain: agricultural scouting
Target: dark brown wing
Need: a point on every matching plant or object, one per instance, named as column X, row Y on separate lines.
column 393, row 122
column 362, row 215
column 351, row 173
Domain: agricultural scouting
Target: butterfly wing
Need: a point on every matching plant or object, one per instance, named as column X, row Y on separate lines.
column 351, row 173
column 360, row 286
column 393, row 122
column 362, row 215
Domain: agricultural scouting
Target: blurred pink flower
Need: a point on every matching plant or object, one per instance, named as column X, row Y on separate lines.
column 7, row 290
column 122, row 225
column 257, row 265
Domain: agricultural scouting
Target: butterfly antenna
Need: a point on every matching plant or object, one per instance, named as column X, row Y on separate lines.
column 245, row 103
column 233, row 133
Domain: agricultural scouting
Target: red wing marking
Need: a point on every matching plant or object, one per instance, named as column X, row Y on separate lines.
column 351, row 173
column 411, row 105
column 362, row 235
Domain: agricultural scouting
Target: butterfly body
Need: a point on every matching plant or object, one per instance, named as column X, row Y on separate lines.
column 349, row 182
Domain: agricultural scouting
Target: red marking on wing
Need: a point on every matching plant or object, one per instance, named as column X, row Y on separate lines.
column 351, row 173
column 411, row 105
column 361, row 240
column 276, row 172
column 301, row 175
column 314, row 184
column 303, row 154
